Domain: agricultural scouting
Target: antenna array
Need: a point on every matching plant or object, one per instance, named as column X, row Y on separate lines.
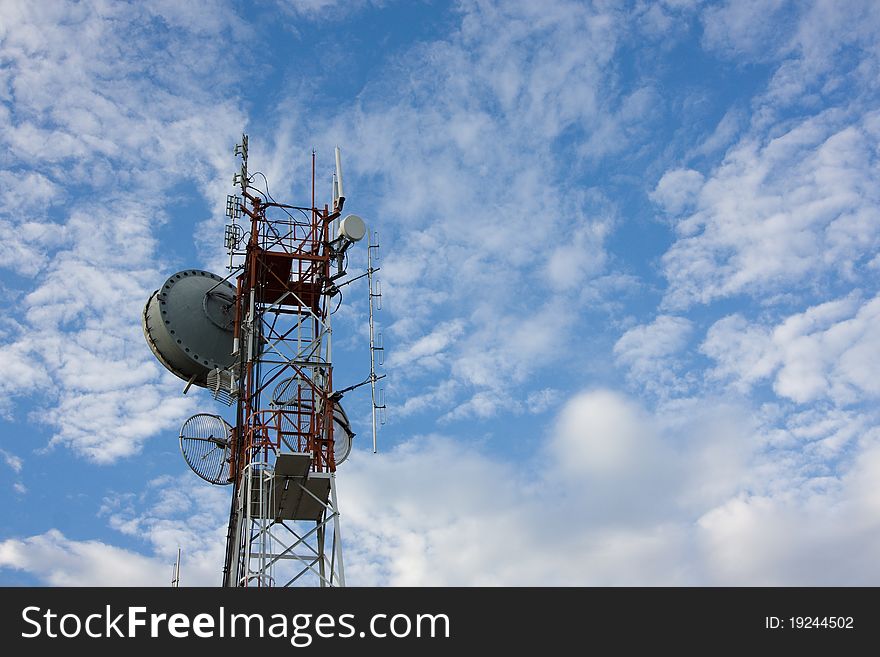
column 263, row 342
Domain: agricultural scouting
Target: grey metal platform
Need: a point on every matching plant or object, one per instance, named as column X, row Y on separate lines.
column 291, row 491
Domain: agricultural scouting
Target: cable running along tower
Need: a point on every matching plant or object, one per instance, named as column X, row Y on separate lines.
column 260, row 340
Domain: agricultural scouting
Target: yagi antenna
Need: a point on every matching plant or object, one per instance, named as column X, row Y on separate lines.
column 241, row 178
column 375, row 349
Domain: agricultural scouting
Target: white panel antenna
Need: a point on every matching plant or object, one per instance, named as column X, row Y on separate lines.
column 339, row 198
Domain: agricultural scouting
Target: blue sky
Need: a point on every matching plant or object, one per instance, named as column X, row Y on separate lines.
column 629, row 265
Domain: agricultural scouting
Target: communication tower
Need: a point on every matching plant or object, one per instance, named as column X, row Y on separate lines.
column 261, row 339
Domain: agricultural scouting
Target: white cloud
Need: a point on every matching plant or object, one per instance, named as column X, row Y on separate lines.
column 28, row 192
column 794, row 204
column 434, row 397
column 23, row 371
column 108, row 117
column 677, row 190
column 830, row 351
column 723, row 135
column 505, row 349
column 16, row 464
column 409, row 523
column 664, row 19
column 741, row 351
column 539, row 401
column 746, row 27
column 427, row 350
column 684, row 455
column 782, row 214
column 12, row 461
column 107, row 426
column 649, row 352
column 171, row 513
column 579, row 257
column 177, row 512
column 816, row 47
column 826, row 534
column 484, row 404
column 822, row 435
column 686, row 494
column 326, row 9
column 59, row 561
column 486, row 229
column 615, row 514
column 604, row 435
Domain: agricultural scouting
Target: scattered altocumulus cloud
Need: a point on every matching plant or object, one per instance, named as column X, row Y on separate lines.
column 507, row 158
column 649, row 351
column 59, row 561
column 108, row 130
column 830, row 351
column 628, row 497
column 779, row 214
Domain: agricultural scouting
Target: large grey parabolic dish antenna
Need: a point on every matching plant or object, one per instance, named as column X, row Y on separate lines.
column 188, row 324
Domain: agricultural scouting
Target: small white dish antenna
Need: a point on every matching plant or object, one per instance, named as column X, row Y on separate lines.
column 352, row 228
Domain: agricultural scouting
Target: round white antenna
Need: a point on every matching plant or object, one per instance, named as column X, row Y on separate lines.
column 352, row 228
column 204, row 443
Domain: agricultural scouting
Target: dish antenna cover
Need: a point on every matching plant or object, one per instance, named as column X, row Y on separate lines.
column 352, row 228
column 188, row 324
column 205, row 444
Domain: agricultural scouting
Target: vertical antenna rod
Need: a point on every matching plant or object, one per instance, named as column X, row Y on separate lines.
column 175, row 579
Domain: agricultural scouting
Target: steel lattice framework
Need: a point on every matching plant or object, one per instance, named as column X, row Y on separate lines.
column 284, row 520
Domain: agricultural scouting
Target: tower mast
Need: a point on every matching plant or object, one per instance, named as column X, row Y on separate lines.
column 264, row 344
column 284, row 521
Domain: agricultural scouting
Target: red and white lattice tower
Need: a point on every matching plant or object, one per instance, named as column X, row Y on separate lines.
column 284, row 518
